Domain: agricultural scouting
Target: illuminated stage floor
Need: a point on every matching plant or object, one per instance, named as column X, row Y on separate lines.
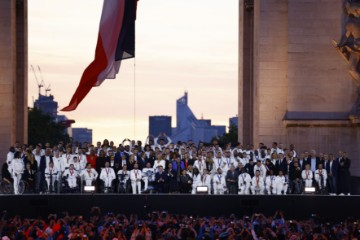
column 331, row 208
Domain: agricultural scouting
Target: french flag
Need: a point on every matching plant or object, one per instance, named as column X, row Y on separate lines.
column 116, row 41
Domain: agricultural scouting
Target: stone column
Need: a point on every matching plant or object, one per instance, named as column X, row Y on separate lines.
column 13, row 74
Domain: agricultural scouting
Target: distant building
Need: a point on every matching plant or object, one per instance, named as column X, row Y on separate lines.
column 234, row 121
column 46, row 104
column 82, row 135
column 188, row 127
column 159, row 124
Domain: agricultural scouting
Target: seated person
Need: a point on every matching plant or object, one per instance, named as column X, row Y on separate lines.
column 321, row 177
column 29, row 177
column 307, row 176
column 244, row 182
column 71, row 176
column 89, row 175
column 257, row 186
column 107, row 175
column 123, row 177
column 281, row 184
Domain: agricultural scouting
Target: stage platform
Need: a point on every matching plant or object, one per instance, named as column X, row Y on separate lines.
column 331, row 208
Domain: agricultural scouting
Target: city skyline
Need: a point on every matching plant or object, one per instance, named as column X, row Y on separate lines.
column 171, row 56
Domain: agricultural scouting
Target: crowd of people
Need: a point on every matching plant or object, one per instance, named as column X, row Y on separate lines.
column 183, row 167
column 162, row 226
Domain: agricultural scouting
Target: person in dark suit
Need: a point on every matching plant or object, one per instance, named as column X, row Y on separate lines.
column 161, row 179
column 232, row 180
column 29, row 177
column 281, row 165
column 302, row 161
column 249, row 167
column 44, row 163
column 344, row 174
column 331, row 166
column 313, row 161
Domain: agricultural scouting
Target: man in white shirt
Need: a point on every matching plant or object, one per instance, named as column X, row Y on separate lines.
column 257, row 186
column 135, row 178
column 89, row 175
column 244, row 182
column 321, row 177
column 67, row 158
column 219, row 162
column 228, row 161
column 107, row 175
column 219, row 183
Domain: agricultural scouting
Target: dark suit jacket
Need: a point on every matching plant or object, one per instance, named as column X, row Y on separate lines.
column 43, row 163
column 334, row 167
column 317, row 162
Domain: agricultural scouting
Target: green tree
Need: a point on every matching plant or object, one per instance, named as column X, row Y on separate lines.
column 43, row 129
column 230, row 137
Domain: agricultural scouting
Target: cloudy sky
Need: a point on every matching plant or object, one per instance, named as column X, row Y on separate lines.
column 181, row 45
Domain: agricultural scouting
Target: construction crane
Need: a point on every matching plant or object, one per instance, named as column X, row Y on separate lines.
column 47, row 89
column 41, row 84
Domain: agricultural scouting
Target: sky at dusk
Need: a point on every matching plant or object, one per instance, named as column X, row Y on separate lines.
column 180, row 45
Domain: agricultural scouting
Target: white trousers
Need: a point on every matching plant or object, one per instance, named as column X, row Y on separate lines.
column 136, row 185
column 281, row 188
column 146, row 183
column 16, row 183
column 72, row 182
column 308, row 182
column 256, row 191
column 244, row 189
column 107, row 181
column 53, row 182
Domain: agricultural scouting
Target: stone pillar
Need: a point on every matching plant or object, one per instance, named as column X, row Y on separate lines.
column 13, row 74
column 246, row 76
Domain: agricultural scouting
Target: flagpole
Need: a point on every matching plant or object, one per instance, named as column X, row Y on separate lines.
column 134, row 99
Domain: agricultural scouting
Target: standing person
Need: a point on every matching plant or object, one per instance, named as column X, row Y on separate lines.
column 51, row 173
column 185, row 182
column 232, row 180
column 160, row 179
column 206, row 180
column 91, row 158
column 219, row 182
column 244, row 182
column 44, row 163
column 148, row 175
column 344, row 174
column 135, row 178
column 331, row 167
column 172, row 176
column 17, row 169
column 196, row 180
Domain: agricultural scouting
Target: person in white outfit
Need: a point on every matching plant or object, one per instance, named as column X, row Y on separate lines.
column 206, row 180
column 281, row 184
column 219, row 183
column 89, row 175
column 257, row 186
column 148, row 175
column 107, row 175
column 51, row 176
column 307, row 176
column 71, row 176
column 244, row 182
column 16, row 169
column 261, row 168
column 196, row 180
column 321, row 176
column 270, row 183
column 135, row 178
